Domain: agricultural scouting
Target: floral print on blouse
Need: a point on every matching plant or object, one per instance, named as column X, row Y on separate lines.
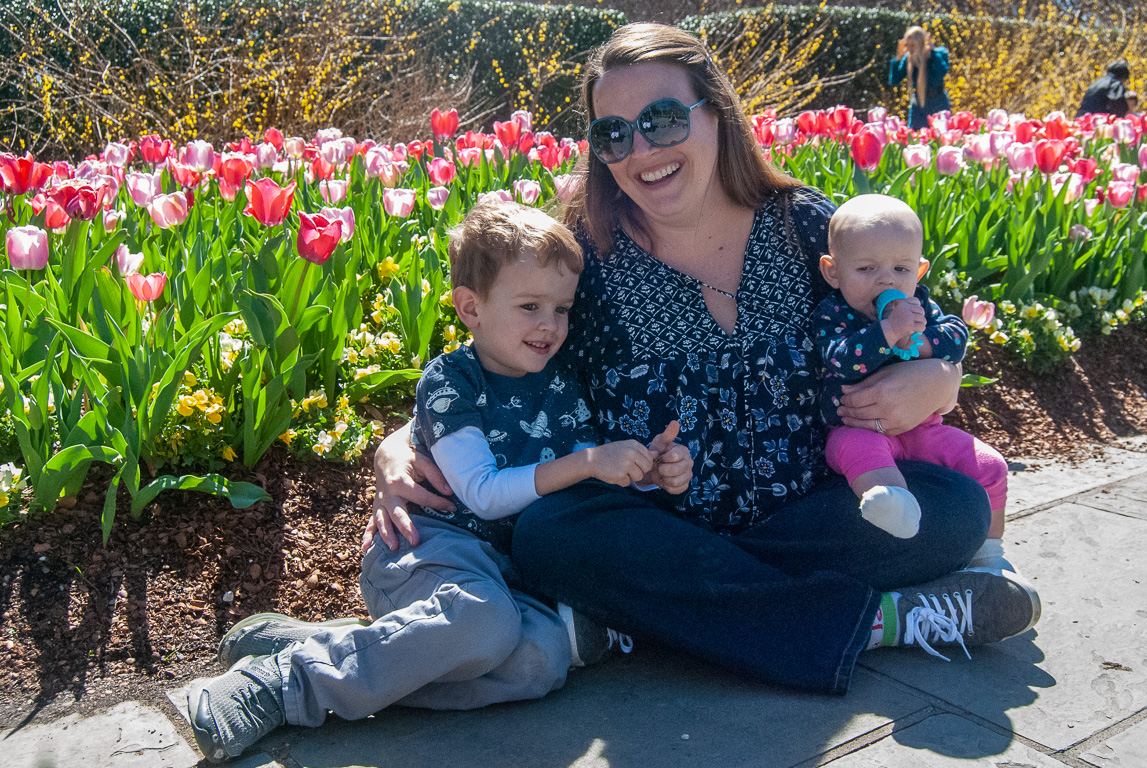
column 748, row 401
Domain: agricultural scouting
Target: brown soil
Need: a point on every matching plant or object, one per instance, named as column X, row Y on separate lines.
column 84, row 626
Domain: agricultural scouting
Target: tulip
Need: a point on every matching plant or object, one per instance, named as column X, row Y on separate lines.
column 318, row 236
column 444, row 124
column 1123, row 131
column 185, row 175
column 867, row 149
column 79, row 199
column 999, row 141
column 441, row 171
column 567, row 186
column 437, row 197
column 398, row 202
column 112, row 220
column 471, row 157
column 267, row 202
column 198, row 154
column 321, row 168
column 784, row 131
column 55, row 217
column 335, row 151
column 128, row 262
column 1087, row 167
column 168, row 211
column 508, row 133
column 979, row 314
column 1049, row 155
column 153, row 149
column 1143, row 156
column 1079, row 232
column 274, row 137
column 527, row 190
column 997, row 120
column 117, row 154
column 949, row 160
column 333, row 191
column 266, row 154
column 323, row 135
column 1073, row 182
column 234, row 169
column 877, row 114
column 147, row 288
column 978, row 148
column 917, row 155
column 345, row 215
column 1119, row 193
column 294, row 147
column 22, row 174
column 1021, row 157
column 27, row 247
column 1128, row 172
column 840, row 118
column 1089, row 205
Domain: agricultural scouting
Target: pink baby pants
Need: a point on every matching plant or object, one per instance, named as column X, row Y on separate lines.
column 852, row 452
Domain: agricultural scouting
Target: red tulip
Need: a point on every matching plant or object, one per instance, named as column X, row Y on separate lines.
column 22, row 174
column 444, row 124
column 866, row 149
column 274, row 136
column 235, row 169
column 1025, row 131
column 184, row 175
column 508, row 133
column 806, row 121
column 79, row 199
column 1087, row 167
column 441, row 171
column 55, row 217
column 318, row 237
column 147, row 288
column 321, row 168
column 1057, row 127
column 840, row 117
column 1049, row 155
column 243, row 146
column 268, row 202
column 153, row 149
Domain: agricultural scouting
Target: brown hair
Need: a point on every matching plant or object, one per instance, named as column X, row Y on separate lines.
column 497, row 232
column 600, row 206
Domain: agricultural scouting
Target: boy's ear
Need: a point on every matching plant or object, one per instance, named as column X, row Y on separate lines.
column 828, row 270
column 924, row 264
column 466, row 306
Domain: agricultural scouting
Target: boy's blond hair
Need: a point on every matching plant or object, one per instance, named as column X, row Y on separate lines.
column 497, row 232
column 867, row 212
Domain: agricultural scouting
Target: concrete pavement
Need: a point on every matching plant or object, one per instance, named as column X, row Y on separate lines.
column 1073, row 691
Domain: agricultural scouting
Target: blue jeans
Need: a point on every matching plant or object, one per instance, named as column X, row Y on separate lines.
column 789, row 601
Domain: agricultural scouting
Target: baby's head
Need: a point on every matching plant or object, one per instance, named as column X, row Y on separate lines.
column 514, row 270
column 874, row 243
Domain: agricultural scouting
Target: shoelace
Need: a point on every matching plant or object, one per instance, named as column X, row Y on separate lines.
column 926, row 624
column 624, row 642
column 251, row 708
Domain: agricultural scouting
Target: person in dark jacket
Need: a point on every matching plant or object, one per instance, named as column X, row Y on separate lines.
column 1109, row 93
column 923, row 66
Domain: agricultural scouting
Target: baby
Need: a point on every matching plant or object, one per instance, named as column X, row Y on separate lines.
column 875, row 245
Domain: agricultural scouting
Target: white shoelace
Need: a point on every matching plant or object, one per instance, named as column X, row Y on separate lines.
column 624, row 642
column 926, row 624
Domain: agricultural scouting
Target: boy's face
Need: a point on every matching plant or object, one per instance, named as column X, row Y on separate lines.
column 867, row 263
column 519, row 326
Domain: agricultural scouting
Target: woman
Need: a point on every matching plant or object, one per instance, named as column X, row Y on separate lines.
column 695, row 305
column 924, row 67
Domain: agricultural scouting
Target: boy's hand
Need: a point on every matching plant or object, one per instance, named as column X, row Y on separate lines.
column 904, row 318
column 619, row 463
column 673, row 466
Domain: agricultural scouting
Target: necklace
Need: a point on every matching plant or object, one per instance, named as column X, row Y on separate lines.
column 711, row 287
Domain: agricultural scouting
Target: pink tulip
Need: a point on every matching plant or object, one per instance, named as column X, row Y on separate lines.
column 1128, row 172
column 997, row 120
column 127, row 261
column 1123, row 131
column 198, row 154
column 978, row 148
column 324, row 135
column 878, row 130
column 437, row 197
column 527, row 190
column 27, row 247
column 877, row 114
column 143, row 186
column 1119, row 193
column 1072, row 181
column 917, row 155
column 345, row 215
column 949, row 160
column 441, row 171
column 504, row 195
column 1079, row 232
column 147, row 288
column 1021, row 157
column 470, row 157
column 978, row 314
column 389, row 174
column 317, row 237
column 333, row 191
column 294, row 147
column 1143, row 155
column 524, row 119
column 567, row 185
column 112, row 220
column 375, row 158
column 784, row 131
column 168, row 211
column 266, row 154
column 999, row 141
column 893, row 123
column 117, row 154
column 1089, row 205
column 398, row 202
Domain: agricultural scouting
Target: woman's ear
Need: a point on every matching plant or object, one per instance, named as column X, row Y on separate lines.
column 924, row 264
column 828, row 270
column 466, row 306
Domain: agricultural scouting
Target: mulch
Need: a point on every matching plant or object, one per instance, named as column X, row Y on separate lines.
column 84, row 626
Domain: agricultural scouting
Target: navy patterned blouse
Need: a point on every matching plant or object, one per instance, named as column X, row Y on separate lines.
column 748, row 401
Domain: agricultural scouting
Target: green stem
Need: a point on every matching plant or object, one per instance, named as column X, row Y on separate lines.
column 299, row 291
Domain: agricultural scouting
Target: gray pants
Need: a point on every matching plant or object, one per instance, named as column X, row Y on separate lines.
column 448, row 633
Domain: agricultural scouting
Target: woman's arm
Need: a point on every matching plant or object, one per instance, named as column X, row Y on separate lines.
column 901, row 396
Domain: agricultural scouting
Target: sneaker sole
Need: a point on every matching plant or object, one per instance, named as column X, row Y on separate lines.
column 203, row 738
column 271, row 616
column 566, row 614
column 1028, row 588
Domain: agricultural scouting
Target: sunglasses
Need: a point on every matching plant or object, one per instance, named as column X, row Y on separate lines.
column 664, row 123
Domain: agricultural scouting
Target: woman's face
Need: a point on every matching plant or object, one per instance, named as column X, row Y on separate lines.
column 666, row 183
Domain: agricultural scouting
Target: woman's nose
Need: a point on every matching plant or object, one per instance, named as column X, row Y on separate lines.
column 641, row 144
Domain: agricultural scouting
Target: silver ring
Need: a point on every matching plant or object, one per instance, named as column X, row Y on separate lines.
column 879, row 428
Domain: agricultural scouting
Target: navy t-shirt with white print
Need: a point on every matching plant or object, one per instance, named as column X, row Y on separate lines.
column 526, row 420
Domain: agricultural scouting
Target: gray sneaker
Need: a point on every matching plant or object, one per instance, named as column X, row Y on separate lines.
column 234, row 710
column 265, row 634
column 590, row 642
column 975, row 606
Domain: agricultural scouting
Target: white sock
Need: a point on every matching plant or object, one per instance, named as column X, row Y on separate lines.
column 892, row 509
column 991, row 555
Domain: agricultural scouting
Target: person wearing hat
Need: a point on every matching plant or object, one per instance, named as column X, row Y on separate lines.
column 1109, row 93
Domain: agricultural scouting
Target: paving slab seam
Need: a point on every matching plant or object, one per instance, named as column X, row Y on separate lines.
column 1071, row 498
column 1099, row 737
column 868, row 738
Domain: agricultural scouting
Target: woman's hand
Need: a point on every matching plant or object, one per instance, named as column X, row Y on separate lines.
column 901, row 396
column 398, row 470
column 901, row 48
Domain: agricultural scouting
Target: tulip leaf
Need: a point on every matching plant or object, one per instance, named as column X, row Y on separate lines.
column 240, row 494
column 372, row 383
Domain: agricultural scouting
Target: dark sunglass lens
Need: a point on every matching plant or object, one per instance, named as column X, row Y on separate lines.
column 664, row 123
column 611, row 139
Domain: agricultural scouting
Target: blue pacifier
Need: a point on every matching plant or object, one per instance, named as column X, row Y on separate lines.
column 882, row 301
